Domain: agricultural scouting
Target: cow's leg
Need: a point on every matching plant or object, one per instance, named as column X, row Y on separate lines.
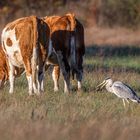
column 41, row 70
column 55, row 76
column 65, row 69
column 30, row 83
column 34, row 70
column 79, row 73
column 44, row 69
column 79, row 84
column 76, row 62
column 34, row 76
column 42, row 86
column 42, row 82
column 79, row 76
column 11, row 77
column 28, row 70
column 67, row 83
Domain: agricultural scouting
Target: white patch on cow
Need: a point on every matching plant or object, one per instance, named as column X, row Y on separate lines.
column 47, row 62
column 79, row 85
column 42, row 86
column 34, row 58
column 13, row 52
column 55, row 81
column 79, row 77
column 11, row 78
column 65, row 87
column 34, row 87
column 34, row 69
column 30, row 83
column 38, row 88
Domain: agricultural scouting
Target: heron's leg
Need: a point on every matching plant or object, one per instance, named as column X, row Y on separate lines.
column 123, row 102
column 127, row 101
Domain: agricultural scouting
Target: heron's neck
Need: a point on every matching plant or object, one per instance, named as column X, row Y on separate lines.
column 109, row 87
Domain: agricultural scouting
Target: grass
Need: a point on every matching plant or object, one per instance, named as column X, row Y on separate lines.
column 130, row 63
column 89, row 115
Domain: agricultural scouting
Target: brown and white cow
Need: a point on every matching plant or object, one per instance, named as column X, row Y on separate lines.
column 4, row 69
column 67, row 35
column 25, row 42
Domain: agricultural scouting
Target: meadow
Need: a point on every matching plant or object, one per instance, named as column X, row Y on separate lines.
column 90, row 115
column 87, row 115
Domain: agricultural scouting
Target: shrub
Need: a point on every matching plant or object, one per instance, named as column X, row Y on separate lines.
column 119, row 12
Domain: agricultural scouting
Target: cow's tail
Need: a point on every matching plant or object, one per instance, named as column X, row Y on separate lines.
column 35, row 33
column 73, row 60
column 34, row 60
column 72, row 52
column 72, row 20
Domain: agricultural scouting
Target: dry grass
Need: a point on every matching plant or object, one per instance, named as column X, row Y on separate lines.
column 116, row 36
column 86, row 116
column 93, row 129
column 89, row 115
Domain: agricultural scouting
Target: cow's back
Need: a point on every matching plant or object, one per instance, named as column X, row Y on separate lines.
column 18, row 39
column 21, row 36
column 50, row 20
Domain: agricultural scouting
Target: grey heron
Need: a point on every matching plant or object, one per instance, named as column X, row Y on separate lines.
column 120, row 89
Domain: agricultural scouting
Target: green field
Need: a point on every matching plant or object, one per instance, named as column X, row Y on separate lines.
column 85, row 116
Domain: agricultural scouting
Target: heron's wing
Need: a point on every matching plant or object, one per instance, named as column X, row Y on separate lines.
column 123, row 91
column 134, row 93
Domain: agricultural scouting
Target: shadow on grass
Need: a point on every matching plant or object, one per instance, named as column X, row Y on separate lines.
column 108, row 50
column 103, row 68
column 111, row 52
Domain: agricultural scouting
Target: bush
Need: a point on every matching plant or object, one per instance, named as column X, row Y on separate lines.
column 119, row 12
column 101, row 12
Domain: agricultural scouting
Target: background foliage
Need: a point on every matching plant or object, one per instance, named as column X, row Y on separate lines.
column 100, row 12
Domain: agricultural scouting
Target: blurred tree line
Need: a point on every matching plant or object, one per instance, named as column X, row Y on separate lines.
column 120, row 12
column 100, row 12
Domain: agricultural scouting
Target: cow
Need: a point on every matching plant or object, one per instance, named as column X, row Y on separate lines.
column 4, row 69
column 67, row 35
column 26, row 43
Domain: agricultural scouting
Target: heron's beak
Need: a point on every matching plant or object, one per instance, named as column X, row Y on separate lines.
column 100, row 86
